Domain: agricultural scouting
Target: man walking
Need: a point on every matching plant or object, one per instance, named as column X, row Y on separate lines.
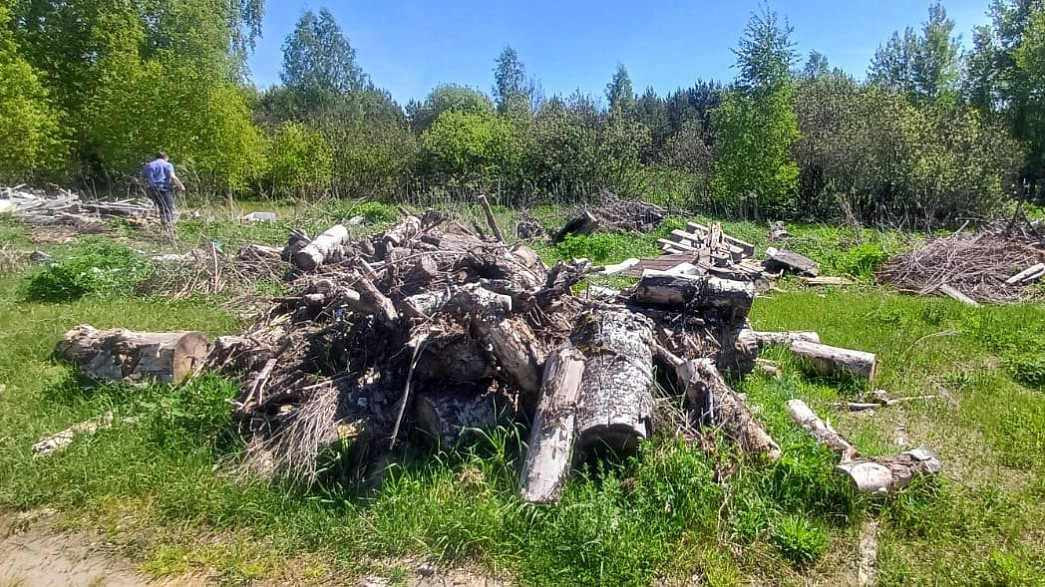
column 159, row 179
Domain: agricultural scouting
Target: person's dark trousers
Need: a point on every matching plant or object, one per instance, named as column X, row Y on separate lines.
column 164, row 200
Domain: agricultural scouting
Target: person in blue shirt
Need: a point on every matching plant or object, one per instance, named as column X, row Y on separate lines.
column 158, row 176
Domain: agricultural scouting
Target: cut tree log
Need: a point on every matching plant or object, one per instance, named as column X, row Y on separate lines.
column 550, row 449
column 885, row 474
column 123, row 354
column 878, row 475
column 322, row 249
column 784, row 338
column 583, row 224
column 778, row 259
column 832, row 361
column 1033, row 273
column 451, row 416
column 716, row 404
column 616, row 400
column 695, row 291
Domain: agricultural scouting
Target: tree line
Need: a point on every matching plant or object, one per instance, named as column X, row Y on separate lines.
column 933, row 135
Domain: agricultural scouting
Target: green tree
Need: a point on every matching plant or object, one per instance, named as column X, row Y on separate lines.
column 300, row 161
column 923, row 66
column 317, row 57
column 476, row 149
column 29, row 122
column 443, row 98
column 513, row 92
column 755, row 172
column 619, row 93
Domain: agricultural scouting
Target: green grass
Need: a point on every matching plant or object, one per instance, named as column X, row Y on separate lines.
column 161, row 491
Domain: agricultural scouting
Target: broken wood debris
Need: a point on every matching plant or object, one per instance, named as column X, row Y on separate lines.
column 429, row 332
column 878, row 475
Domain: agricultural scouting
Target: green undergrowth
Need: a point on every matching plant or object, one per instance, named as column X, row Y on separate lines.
column 163, row 488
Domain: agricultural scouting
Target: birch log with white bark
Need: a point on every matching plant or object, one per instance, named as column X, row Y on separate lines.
column 868, row 475
column 322, row 249
column 550, row 449
column 616, row 400
column 831, row 361
column 697, row 292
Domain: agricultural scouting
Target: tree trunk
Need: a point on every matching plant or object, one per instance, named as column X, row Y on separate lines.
column 711, row 398
column 885, row 474
column 122, row 354
column 616, row 399
column 549, row 452
column 832, row 361
column 451, row 416
column 820, row 430
column 695, row 292
column 322, row 249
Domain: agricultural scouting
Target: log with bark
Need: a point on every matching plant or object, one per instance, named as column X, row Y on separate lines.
column 450, row 416
column 830, row 361
column 550, row 448
column 695, row 292
column 325, row 248
column 616, row 399
column 784, row 338
column 715, row 404
column 123, row 354
column 869, row 475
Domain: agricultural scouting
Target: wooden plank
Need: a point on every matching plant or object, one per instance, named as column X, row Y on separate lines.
column 953, row 292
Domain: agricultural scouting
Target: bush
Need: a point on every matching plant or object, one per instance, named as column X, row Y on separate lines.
column 89, row 267
column 1028, row 369
column 799, row 541
column 605, row 248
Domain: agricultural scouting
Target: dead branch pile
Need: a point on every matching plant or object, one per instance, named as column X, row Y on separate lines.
column 213, row 270
column 427, row 332
column 612, row 214
column 978, row 267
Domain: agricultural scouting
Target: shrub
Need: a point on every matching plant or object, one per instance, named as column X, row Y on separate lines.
column 1028, row 369
column 799, row 541
column 605, row 247
column 89, row 267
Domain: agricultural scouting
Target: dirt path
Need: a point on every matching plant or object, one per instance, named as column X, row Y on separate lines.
column 34, row 555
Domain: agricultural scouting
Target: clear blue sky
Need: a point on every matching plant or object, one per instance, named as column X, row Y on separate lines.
column 410, row 46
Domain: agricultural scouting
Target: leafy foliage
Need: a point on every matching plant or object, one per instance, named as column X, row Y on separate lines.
column 300, row 161
column 97, row 267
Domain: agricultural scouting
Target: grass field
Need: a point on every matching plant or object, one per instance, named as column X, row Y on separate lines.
column 161, row 490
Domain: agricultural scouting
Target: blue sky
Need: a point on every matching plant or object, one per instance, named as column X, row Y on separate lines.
column 409, row 47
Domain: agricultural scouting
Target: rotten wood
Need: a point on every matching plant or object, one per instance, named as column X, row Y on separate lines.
column 550, row 447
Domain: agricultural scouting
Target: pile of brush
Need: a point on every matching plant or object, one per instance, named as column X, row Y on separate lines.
column 427, row 332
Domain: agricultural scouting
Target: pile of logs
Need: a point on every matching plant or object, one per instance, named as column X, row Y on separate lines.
column 65, row 207
column 430, row 333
